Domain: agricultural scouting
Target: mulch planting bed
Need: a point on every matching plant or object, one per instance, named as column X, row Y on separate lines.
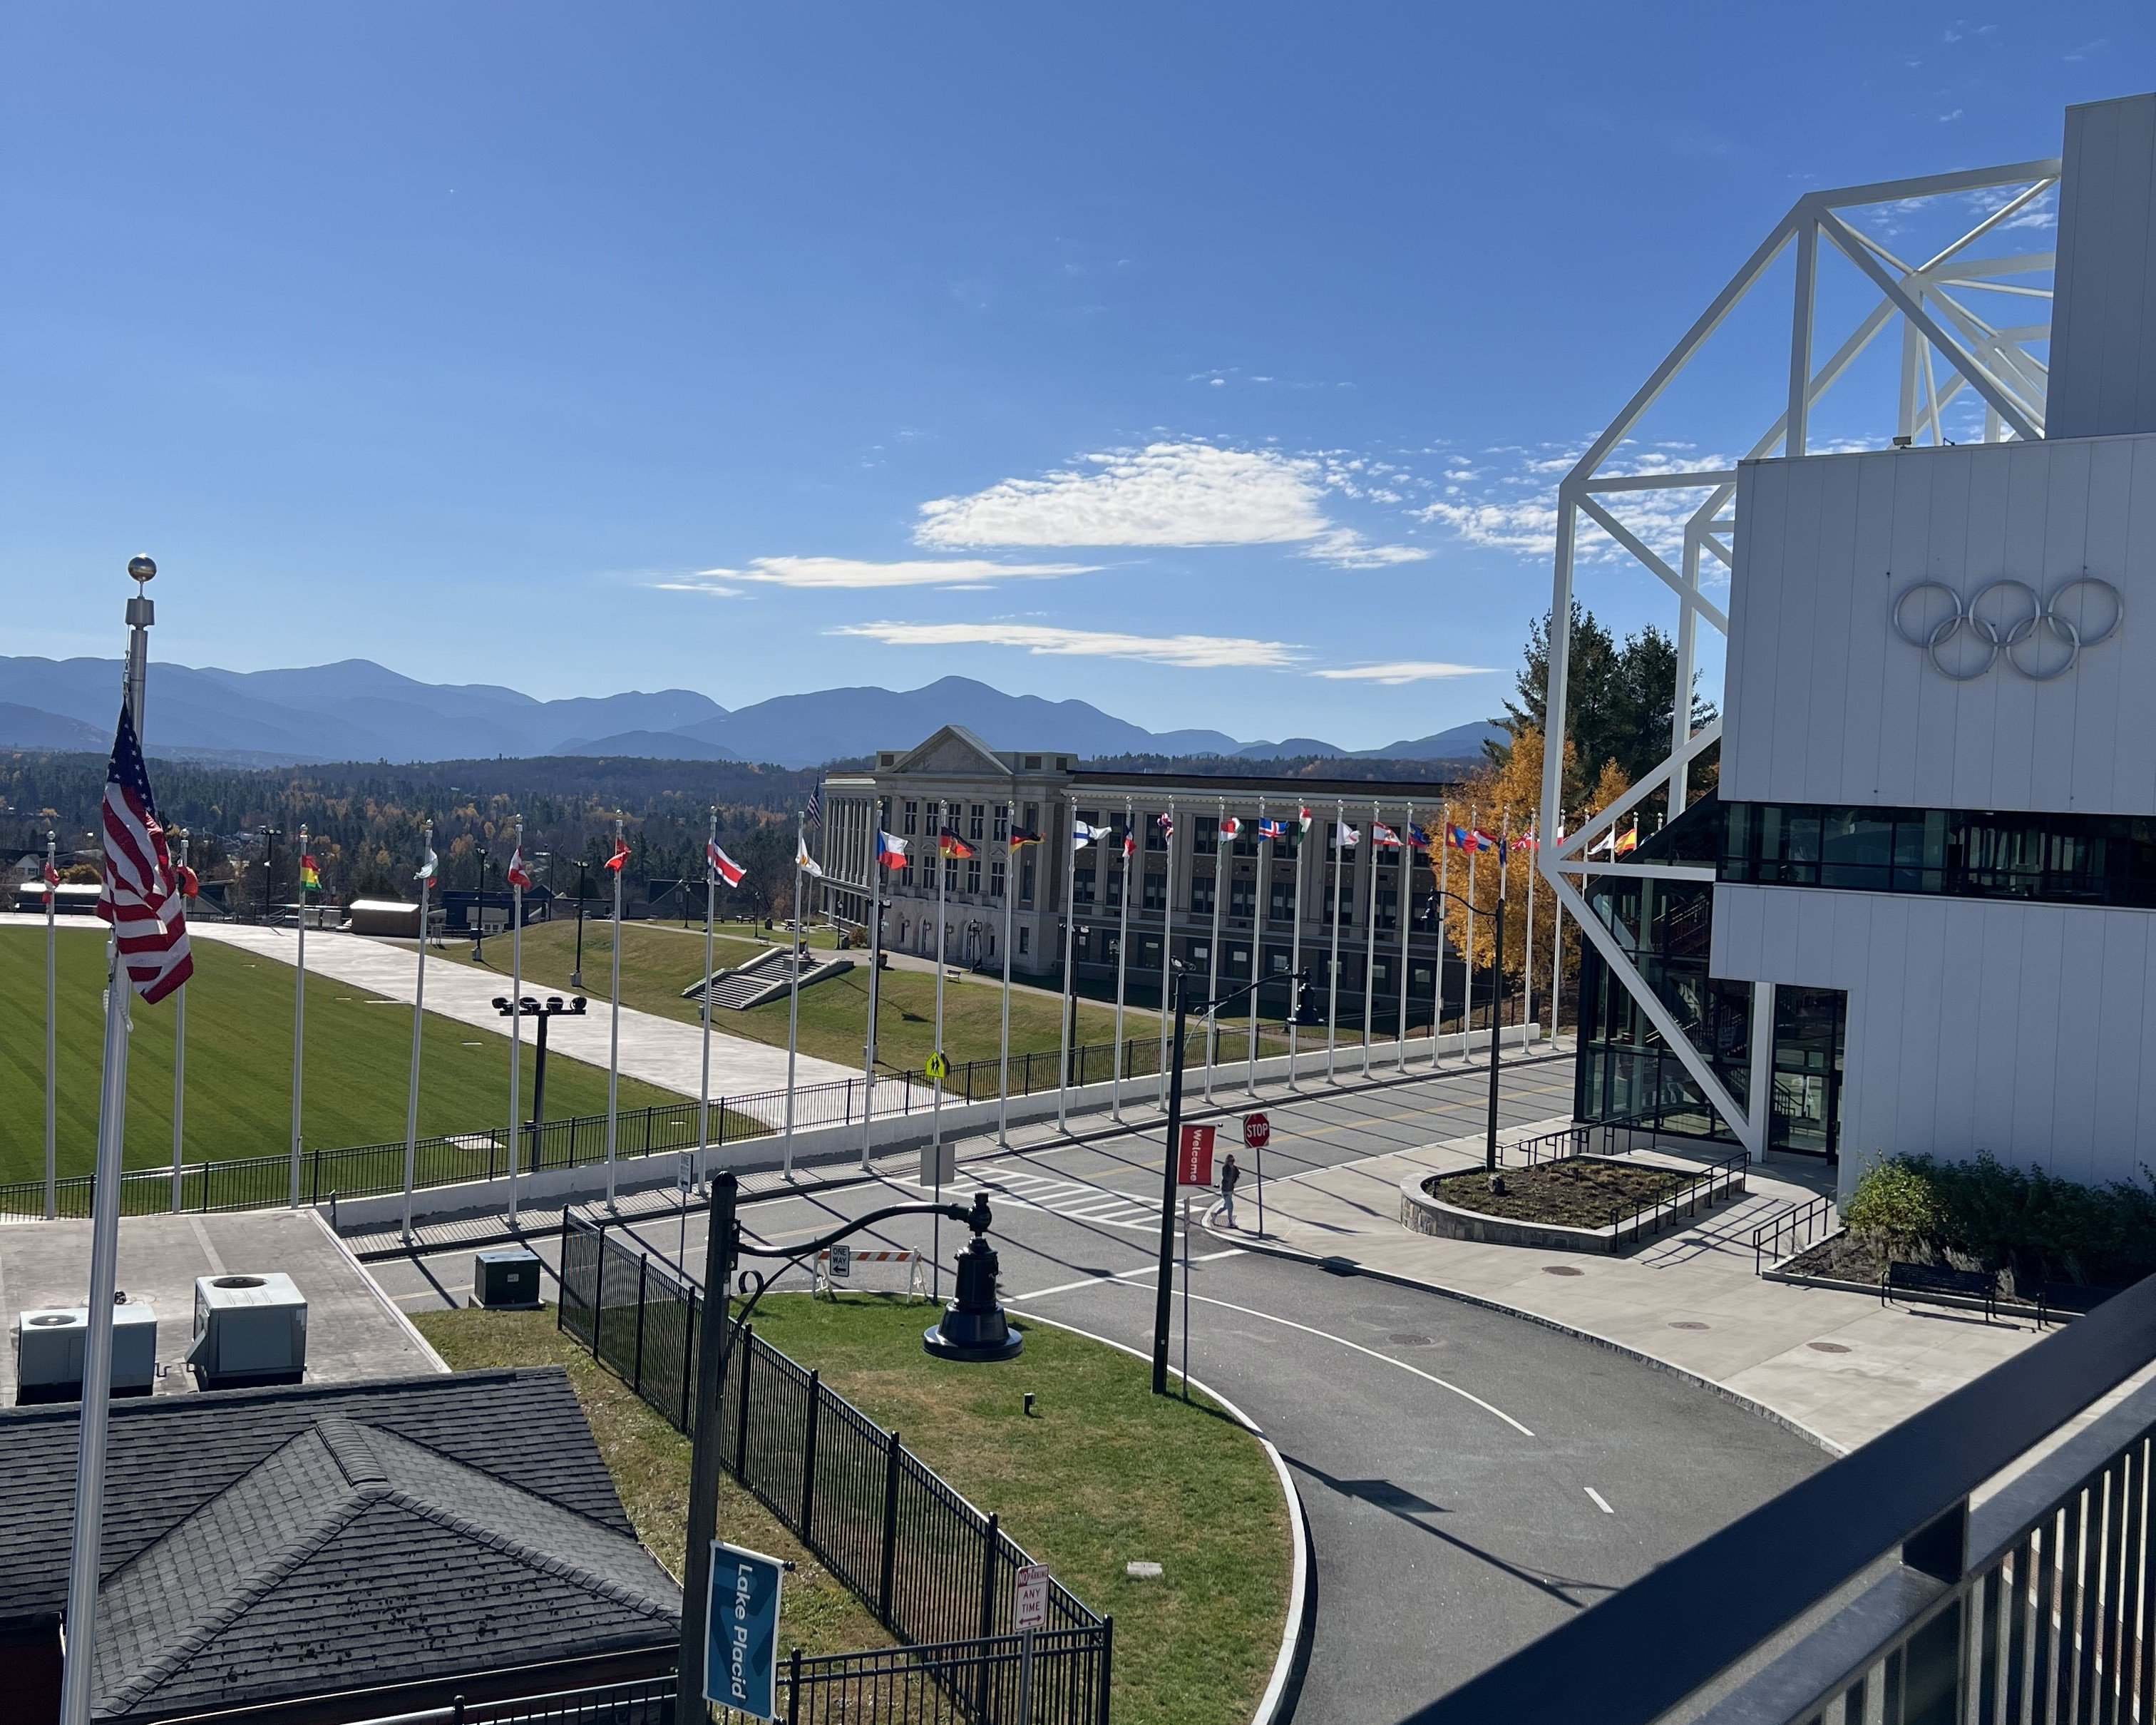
column 1580, row 1192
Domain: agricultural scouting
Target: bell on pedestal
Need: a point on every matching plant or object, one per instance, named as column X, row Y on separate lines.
column 973, row 1325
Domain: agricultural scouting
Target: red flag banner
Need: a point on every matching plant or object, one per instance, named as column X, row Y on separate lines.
column 620, row 855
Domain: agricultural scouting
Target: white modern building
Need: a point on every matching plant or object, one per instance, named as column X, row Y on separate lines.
column 1917, row 912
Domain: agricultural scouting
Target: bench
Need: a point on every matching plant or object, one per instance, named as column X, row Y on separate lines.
column 1923, row 1281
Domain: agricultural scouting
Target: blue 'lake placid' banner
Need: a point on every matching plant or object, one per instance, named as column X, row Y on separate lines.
column 740, row 1649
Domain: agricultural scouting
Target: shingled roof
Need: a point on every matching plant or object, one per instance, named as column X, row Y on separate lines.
column 266, row 1545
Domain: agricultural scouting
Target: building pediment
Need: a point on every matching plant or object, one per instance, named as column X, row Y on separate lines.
column 954, row 751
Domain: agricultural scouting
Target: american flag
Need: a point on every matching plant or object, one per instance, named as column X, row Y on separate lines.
column 141, row 898
column 815, row 809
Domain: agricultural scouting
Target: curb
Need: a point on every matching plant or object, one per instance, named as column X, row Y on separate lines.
column 1350, row 1266
column 1276, row 1705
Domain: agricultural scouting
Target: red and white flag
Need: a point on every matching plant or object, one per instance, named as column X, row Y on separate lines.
column 1384, row 836
column 620, row 855
column 52, row 879
column 724, row 866
column 140, row 899
column 519, row 875
column 1230, row 828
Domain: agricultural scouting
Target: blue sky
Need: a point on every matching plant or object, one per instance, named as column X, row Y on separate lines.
column 1207, row 363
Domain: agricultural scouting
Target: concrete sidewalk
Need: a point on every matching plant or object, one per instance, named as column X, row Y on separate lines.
column 660, row 1051
column 1837, row 1365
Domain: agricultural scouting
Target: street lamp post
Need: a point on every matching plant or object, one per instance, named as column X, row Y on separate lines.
column 722, row 1250
column 577, row 970
column 269, row 870
column 479, row 906
column 1496, row 998
column 546, row 1012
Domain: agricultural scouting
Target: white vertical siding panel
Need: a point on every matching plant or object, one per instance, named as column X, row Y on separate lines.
column 2031, row 942
column 2070, row 1121
column 2067, row 478
column 1797, row 704
column 1838, row 744
column 2097, row 713
column 1881, row 715
column 1996, row 761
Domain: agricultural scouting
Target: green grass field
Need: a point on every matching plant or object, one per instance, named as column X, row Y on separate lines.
column 1106, row 1472
column 660, row 960
column 240, row 1063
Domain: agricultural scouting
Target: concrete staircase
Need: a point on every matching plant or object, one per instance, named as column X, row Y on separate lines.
column 768, row 976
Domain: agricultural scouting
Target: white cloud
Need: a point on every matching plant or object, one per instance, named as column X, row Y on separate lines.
column 1167, row 493
column 1403, row 671
column 712, row 588
column 834, row 572
column 1202, row 652
column 1512, row 504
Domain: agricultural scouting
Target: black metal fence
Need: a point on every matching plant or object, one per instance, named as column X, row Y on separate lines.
column 1788, row 1232
column 935, row 1571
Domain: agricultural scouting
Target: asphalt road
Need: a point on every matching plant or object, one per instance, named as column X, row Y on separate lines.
column 1471, row 1479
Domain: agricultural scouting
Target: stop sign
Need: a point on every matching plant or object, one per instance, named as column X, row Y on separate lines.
column 1257, row 1131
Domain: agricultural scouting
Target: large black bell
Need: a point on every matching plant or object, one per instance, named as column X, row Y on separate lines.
column 973, row 1325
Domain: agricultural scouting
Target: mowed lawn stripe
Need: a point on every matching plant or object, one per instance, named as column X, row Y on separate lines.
column 240, row 1063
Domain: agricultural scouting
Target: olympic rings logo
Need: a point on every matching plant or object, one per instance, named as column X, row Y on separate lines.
column 2042, row 639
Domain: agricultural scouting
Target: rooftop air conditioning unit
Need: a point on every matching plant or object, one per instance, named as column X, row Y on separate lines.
column 248, row 1329
column 49, row 1347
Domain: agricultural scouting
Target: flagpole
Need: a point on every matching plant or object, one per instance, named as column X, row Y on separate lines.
column 1557, row 946
column 179, row 1065
column 52, row 1069
column 793, row 993
column 1527, row 950
column 1406, row 911
column 876, row 969
column 1259, row 899
column 516, row 1015
column 85, row 1558
column 704, row 995
column 1010, row 892
column 1295, row 958
column 1122, row 965
column 1070, row 973
column 1332, row 962
column 936, row 1108
column 613, row 1018
column 1370, row 942
column 418, row 1014
column 1497, row 968
column 1444, row 924
column 299, row 1014
column 1166, row 951
column 1221, row 865
column 1467, row 1005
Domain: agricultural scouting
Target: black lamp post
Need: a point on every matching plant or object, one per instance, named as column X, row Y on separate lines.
column 577, row 970
column 479, row 906
column 1496, row 1000
column 551, row 1009
column 722, row 1250
column 268, row 869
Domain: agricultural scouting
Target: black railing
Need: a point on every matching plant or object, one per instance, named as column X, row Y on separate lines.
column 1784, row 1234
column 2037, row 1603
column 1712, row 1183
column 935, row 1571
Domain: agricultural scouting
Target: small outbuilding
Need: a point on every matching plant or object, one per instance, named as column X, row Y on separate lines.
column 384, row 916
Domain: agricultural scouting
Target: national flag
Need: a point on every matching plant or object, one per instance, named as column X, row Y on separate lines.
column 1305, row 819
column 1384, row 836
column 427, row 868
column 1129, row 844
column 1345, row 836
column 52, row 876
column 519, row 877
column 190, row 884
column 1168, row 824
column 890, row 849
column 310, row 876
column 815, row 809
column 949, row 843
column 1418, row 838
column 1081, row 835
column 801, row 860
column 620, row 855
column 1230, row 828
column 1270, row 828
column 1630, row 841
column 1021, row 837
column 724, row 866
column 1486, row 841
column 1472, row 839
column 1526, row 841
column 149, row 923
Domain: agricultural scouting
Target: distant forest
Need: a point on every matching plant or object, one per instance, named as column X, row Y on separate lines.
column 363, row 819
column 1293, row 767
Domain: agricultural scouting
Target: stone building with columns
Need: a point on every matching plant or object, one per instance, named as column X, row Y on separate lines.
column 1218, row 909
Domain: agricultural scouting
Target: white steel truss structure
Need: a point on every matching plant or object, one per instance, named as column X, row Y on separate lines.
column 1948, row 348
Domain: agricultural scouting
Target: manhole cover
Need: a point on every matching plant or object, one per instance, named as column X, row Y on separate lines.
column 1408, row 1338
column 1687, row 1323
column 1562, row 1270
column 1826, row 1348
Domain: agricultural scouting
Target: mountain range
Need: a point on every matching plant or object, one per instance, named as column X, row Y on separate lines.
column 357, row 710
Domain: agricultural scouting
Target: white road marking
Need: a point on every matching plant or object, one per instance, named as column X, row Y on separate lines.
column 1323, row 1335
column 1601, row 1502
column 1023, row 1189
column 1094, row 1282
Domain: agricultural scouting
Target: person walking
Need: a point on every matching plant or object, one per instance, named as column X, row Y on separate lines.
column 1230, row 1174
